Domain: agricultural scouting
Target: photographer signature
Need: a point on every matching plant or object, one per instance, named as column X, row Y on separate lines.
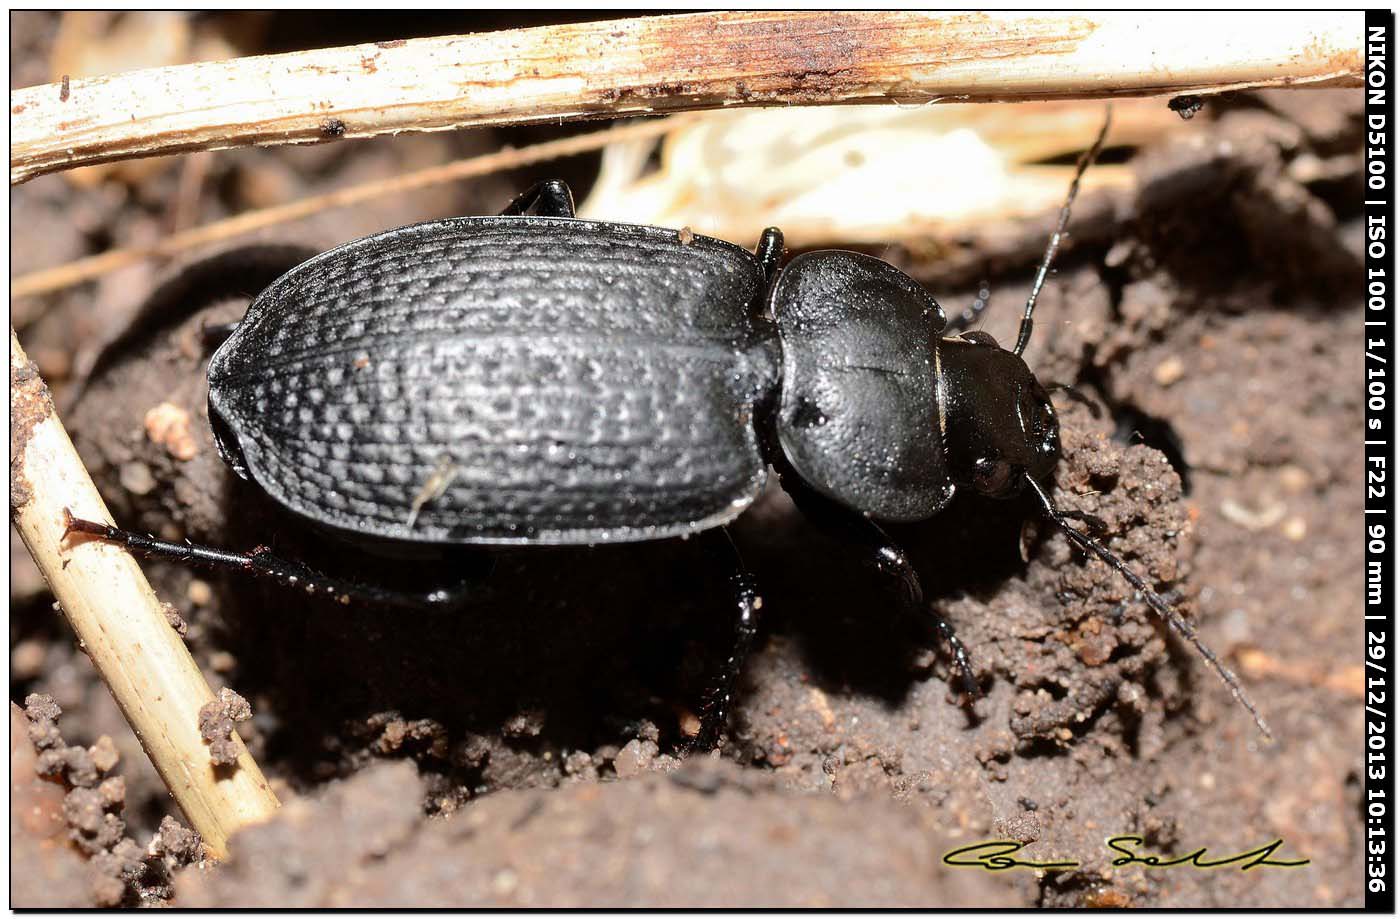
column 995, row 855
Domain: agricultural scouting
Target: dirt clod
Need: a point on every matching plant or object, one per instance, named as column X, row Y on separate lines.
column 591, row 845
column 169, row 425
column 30, row 404
column 216, row 725
column 175, row 843
column 177, row 622
column 42, row 712
column 116, row 871
column 94, row 829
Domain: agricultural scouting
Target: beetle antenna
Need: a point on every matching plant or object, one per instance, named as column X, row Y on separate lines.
column 1024, row 337
column 1088, row 545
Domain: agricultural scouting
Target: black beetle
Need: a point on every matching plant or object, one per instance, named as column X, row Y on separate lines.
column 535, row 379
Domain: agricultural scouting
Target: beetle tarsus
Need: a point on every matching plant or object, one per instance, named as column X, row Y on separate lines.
column 971, row 690
column 890, row 561
column 1077, row 396
column 73, row 525
column 1097, row 524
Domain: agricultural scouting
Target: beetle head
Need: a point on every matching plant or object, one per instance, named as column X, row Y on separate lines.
column 1000, row 425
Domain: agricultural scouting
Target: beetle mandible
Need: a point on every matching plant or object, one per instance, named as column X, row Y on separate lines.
column 536, row 379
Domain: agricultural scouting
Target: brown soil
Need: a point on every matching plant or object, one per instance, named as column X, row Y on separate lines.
column 526, row 753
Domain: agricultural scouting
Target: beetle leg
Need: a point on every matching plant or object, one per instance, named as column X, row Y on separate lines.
column 973, row 314
column 1077, row 396
column 889, row 560
column 213, row 334
column 550, row 198
column 961, row 660
column 770, row 251
column 261, row 563
column 719, row 695
column 1096, row 524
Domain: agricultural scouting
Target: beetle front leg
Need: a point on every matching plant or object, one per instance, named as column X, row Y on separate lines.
column 890, row 560
column 973, row 314
column 260, row 563
column 550, row 198
column 887, row 558
column 720, row 694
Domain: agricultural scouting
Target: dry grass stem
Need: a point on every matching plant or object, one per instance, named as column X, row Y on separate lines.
column 667, row 64
column 86, row 269
column 119, row 621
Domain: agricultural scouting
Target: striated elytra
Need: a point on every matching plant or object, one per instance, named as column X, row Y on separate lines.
column 584, row 381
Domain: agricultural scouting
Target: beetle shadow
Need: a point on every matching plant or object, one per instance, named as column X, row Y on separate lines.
column 564, row 648
column 847, row 620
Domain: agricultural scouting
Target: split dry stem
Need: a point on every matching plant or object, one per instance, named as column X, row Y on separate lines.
column 119, row 621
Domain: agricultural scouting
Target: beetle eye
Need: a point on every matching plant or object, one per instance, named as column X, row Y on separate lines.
column 991, row 477
column 978, row 337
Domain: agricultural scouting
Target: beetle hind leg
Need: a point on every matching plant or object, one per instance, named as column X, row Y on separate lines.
column 260, row 563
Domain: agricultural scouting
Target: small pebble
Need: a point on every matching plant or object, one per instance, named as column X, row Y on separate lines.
column 113, row 791
column 633, row 759
column 27, row 660
column 169, row 425
column 104, row 754
column 199, row 592
column 1169, row 371
column 1294, row 479
column 505, row 882
column 136, row 478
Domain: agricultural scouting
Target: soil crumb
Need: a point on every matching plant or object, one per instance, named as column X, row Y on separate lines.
column 216, row 725
column 30, row 404
column 117, row 871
